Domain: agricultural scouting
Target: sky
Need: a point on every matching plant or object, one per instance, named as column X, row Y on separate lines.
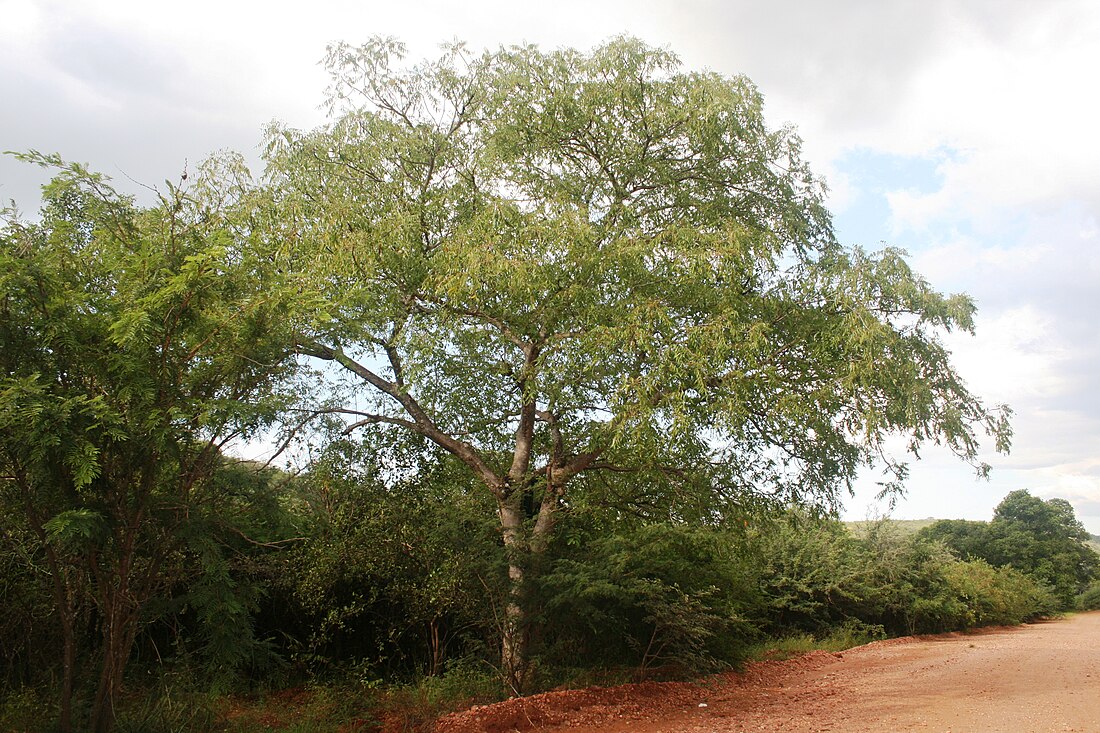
column 962, row 131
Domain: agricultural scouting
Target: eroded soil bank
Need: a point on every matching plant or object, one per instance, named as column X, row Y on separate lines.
column 1039, row 678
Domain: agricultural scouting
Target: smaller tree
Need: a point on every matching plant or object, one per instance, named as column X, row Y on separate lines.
column 966, row 538
column 134, row 346
column 399, row 558
column 1044, row 539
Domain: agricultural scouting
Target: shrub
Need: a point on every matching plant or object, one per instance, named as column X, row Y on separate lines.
column 661, row 595
column 24, row 709
column 395, row 577
column 997, row 596
column 812, row 574
column 1090, row 599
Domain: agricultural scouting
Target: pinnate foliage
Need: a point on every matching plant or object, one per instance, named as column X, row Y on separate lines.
column 135, row 345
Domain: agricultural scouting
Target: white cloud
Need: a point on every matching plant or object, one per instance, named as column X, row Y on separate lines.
column 1018, row 109
column 1017, row 356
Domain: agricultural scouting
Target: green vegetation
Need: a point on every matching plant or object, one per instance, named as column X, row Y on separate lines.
column 134, row 344
column 389, row 608
column 560, row 266
column 1089, row 600
column 903, row 527
column 1040, row 538
column 580, row 374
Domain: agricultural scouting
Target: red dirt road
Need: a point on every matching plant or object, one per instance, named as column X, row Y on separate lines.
column 1040, row 678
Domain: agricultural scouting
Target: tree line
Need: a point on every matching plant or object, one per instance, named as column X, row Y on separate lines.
column 559, row 333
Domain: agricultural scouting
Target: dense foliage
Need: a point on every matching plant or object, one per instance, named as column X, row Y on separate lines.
column 393, row 574
column 1043, row 539
column 134, row 345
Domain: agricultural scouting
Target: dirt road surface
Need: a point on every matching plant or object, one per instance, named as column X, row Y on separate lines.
column 1041, row 678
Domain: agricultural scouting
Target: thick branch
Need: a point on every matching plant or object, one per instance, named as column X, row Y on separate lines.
column 557, row 449
column 420, row 423
column 559, row 475
column 525, row 431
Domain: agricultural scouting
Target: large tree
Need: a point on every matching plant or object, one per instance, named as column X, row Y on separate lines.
column 134, row 346
column 560, row 264
column 1044, row 539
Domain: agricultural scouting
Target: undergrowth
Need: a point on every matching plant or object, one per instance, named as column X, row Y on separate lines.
column 836, row 640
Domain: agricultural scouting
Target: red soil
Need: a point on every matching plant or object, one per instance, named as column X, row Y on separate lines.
column 1037, row 678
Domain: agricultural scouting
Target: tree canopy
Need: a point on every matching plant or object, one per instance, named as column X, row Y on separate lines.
column 561, row 264
column 549, row 262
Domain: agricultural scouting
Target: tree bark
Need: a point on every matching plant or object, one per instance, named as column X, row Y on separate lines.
column 119, row 633
column 68, row 667
column 514, row 648
column 120, row 615
column 523, row 546
column 66, row 610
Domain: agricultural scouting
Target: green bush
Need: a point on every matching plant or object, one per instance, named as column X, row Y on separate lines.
column 997, row 596
column 1090, row 599
column 24, row 709
column 816, row 577
column 812, row 574
column 660, row 595
column 394, row 577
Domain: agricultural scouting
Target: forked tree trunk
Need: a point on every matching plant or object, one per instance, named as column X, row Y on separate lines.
column 120, row 619
column 524, row 551
column 117, row 643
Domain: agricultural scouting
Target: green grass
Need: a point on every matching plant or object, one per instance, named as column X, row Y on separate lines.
column 837, row 640
column 343, row 707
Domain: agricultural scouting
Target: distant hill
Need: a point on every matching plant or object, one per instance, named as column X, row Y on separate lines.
column 903, row 527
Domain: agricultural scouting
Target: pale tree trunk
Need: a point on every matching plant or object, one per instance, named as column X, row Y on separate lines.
column 435, row 648
column 524, row 553
column 514, row 650
column 523, row 548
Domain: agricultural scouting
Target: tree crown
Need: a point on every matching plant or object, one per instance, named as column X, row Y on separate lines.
column 611, row 258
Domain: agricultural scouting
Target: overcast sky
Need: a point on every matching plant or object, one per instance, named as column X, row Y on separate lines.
column 965, row 132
